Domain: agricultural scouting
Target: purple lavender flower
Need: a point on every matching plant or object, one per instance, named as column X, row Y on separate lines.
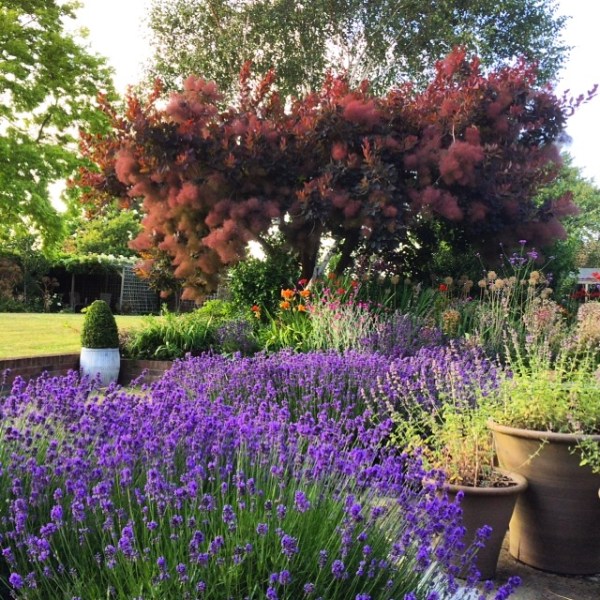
column 216, row 545
column 229, row 517
column 308, row 588
column 289, row 545
column 271, row 593
column 16, row 581
column 56, row 513
column 182, row 572
column 301, row 502
column 338, row 569
column 285, row 577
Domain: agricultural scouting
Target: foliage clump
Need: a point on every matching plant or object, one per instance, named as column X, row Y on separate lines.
column 99, row 327
column 173, row 335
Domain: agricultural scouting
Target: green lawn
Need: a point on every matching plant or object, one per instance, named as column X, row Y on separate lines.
column 35, row 334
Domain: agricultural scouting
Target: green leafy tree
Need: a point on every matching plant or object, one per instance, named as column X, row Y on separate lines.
column 386, row 41
column 47, row 84
column 259, row 282
column 581, row 247
column 23, row 246
column 106, row 232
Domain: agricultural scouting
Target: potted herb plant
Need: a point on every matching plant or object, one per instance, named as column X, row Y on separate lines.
column 436, row 400
column 546, row 427
column 100, row 343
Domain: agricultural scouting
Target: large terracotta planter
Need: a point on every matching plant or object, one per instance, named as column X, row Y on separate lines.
column 103, row 361
column 491, row 506
column 556, row 523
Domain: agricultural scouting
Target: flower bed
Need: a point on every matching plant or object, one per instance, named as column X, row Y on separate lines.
column 252, row 478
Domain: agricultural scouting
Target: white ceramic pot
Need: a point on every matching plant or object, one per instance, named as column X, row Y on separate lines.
column 103, row 361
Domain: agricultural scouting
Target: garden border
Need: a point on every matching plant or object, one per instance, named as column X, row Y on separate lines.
column 60, row 364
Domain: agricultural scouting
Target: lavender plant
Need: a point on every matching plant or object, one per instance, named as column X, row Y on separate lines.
column 236, row 335
column 437, row 401
column 185, row 490
column 400, row 335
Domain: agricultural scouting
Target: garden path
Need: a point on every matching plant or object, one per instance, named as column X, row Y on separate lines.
column 539, row 585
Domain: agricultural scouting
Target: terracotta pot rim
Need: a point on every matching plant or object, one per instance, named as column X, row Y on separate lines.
column 533, row 434
column 520, row 485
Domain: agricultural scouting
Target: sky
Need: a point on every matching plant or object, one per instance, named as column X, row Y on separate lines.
column 117, row 31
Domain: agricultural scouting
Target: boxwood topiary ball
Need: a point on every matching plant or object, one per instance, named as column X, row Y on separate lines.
column 99, row 327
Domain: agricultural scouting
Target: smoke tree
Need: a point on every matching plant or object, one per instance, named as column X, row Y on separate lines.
column 390, row 176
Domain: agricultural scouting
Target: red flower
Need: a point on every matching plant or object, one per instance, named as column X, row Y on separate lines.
column 443, row 287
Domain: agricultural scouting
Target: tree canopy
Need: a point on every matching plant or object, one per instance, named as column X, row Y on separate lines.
column 385, row 41
column 392, row 176
column 48, row 83
column 106, row 232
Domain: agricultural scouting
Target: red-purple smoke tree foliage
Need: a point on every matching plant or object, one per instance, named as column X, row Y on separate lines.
column 391, row 176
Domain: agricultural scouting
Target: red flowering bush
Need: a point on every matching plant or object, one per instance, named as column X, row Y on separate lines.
column 390, row 176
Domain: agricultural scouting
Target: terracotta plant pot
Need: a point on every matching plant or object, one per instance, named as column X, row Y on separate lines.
column 556, row 522
column 491, row 506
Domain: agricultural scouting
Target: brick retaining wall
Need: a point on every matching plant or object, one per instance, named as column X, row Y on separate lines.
column 131, row 369
column 30, row 367
column 61, row 364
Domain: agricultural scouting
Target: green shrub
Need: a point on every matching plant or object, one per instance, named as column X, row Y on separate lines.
column 258, row 282
column 99, row 327
column 221, row 310
column 174, row 335
column 9, row 305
